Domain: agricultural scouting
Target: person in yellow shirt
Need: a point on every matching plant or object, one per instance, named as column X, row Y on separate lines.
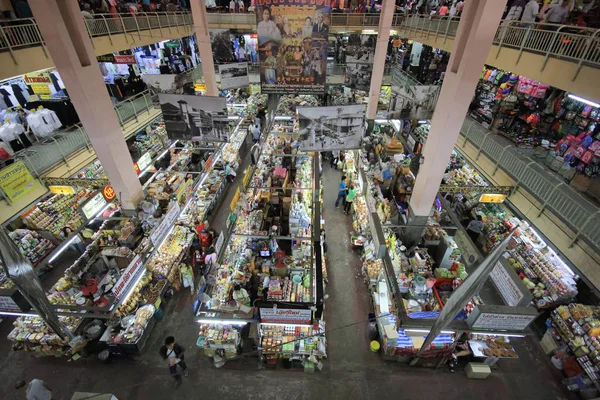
column 187, row 277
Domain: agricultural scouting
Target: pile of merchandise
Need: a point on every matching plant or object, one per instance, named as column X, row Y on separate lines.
column 288, row 104
column 212, row 337
column 31, row 244
column 32, row 334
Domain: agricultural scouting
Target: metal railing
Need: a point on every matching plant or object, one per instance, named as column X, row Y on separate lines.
column 41, row 156
column 571, row 207
column 567, row 42
column 18, row 33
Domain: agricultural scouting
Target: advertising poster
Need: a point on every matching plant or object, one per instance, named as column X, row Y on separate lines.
column 16, row 181
column 234, row 76
column 360, row 54
column 292, row 45
column 413, row 102
column 197, row 118
column 331, row 128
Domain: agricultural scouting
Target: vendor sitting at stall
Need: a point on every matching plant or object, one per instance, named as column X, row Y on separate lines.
column 229, row 173
column 241, row 297
column 474, row 228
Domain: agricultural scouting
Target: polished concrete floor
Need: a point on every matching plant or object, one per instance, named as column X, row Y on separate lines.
column 351, row 371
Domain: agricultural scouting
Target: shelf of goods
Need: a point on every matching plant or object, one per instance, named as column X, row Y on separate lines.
column 32, row 245
column 56, row 211
column 165, row 261
column 205, row 198
column 578, row 326
column 5, row 282
column 231, row 151
column 89, row 280
column 495, row 346
column 93, row 170
column 153, row 140
column 292, row 341
column 550, row 280
column 288, row 104
column 165, row 184
column 225, row 337
column 32, row 334
column 128, row 334
column 238, row 102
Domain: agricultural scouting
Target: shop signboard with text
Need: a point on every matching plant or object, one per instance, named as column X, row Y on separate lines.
column 16, row 181
column 167, row 223
column 292, row 45
column 492, row 198
column 127, row 277
column 285, row 316
column 38, row 78
column 92, row 207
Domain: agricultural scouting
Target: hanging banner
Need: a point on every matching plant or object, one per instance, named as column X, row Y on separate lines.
column 222, row 46
column 93, row 205
column 234, row 76
column 413, row 102
column 360, row 54
column 285, row 316
column 292, row 45
column 62, row 189
column 127, row 277
column 197, row 118
column 331, row 128
column 16, row 181
column 166, row 83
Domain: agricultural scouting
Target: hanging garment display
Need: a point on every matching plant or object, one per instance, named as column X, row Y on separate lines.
column 10, row 134
column 43, row 122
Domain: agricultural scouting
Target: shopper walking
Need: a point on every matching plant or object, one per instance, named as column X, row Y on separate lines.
column 350, row 199
column 255, row 133
column 474, row 228
column 531, row 11
column 341, row 192
column 187, row 277
column 174, row 354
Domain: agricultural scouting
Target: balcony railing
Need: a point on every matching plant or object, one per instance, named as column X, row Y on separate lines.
column 59, row 147
column 566, row 42
column 573, row 209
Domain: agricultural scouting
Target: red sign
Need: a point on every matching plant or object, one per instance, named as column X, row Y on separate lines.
column 108, row 192
column 137, row 168
column 124, row 59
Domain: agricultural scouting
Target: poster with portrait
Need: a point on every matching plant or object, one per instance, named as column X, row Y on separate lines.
column 292, row 45
column 360, row 55
column 413, row 102
column 197, row 118
column 234, row 76
column 331, row 128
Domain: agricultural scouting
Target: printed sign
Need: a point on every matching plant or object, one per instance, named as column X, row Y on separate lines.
column 508, row 289
column 39, row 78
column 285, row 316
column 234, row 76
column 8, row 304
column 16, row 181
column 503, row 321
column 61, row 189
column 167, row 223
column 127, row 277
column 43, row 90
column 120, row 59
column 144, row 161
column 92, row 207
column 492, row 198
column 292, row 45
column 108, row 192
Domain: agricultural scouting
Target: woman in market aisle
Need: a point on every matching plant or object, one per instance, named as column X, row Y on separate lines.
column 474, row 228
column 187, row 277
column 341, row 193
column 241, row 297
column 349, row 199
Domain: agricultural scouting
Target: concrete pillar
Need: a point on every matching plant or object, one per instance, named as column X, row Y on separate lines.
column 204, row 46
column 70, row 46
column 478, row 24
column 383, row 36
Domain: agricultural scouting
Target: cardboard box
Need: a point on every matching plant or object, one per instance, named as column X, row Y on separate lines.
column 548, row 344
column 477, row 370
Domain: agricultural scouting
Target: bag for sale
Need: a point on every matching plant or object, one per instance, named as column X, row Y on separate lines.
column 594, row 146
column 587, row 142
column 587, row 157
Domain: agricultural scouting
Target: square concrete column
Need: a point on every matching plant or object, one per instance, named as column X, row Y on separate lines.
column 204, row 46
column 478, row 24
column 383, row 36
column 67, row 40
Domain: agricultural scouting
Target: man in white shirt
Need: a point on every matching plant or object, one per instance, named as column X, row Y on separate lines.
column 37, row 390
column 558, row 14
column 530, row 12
